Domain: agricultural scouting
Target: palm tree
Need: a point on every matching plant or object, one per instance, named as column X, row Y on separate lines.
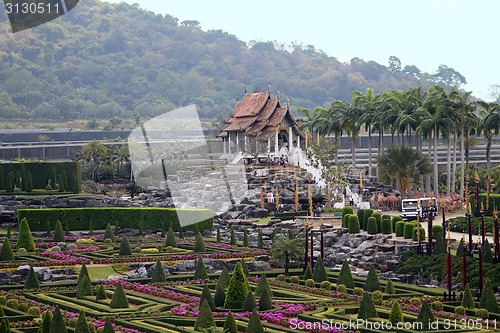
column 331, row 122
column 287, row 248
column 402, row 165
column 312, row 121
column 93, row 151
column 489, row 126
column 350, row 123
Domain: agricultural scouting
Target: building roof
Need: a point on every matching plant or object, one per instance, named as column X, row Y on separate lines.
column 258, row 114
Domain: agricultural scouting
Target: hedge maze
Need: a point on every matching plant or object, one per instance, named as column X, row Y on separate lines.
column 204, row 299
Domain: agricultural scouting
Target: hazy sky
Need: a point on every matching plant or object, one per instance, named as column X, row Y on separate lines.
column 462, row 34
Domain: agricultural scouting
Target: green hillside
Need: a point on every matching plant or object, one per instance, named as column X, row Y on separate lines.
column 106, row 60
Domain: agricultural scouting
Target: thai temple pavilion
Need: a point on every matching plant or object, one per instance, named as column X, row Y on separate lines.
column 261, row 118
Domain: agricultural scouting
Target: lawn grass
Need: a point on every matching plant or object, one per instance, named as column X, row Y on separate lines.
column 101, row 272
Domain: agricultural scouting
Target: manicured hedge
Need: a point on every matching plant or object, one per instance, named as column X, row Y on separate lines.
column 39, row 174
column 152, row 218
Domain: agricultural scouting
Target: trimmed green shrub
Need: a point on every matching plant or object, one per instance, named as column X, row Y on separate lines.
column 408, row 230
column 319, row 273
column 358, row 291
column 488, row 300
column 2, row 313
column 219, row 297
column 3, row 300
column 486, row 249
column 400, row 228
column 230, row 324
column 171, row 241
column 482, row 313
column 395, row 220
column 31, row 280
column 6, row 253
column 371, row 226
column 378, row 217
column 83, row 272
column 84, row 288
column 347, row 210
column 218, row 239
column 125, row 249
column 345, row 276
column 206, row 295
column 368, row 214
column 389, row 288
column 109, row 234
column 377, row 296
column 372, row 283
column 245, row 267
column 460, row 248
column 437, row 305
column 366, row 308
column 265, row 302
column 12, row 303
column 238, row 289
column 294, row 279
column 310, row 283
column 23, row 307
column 341, row 289
column 345, row 220
column 437, row 229
column 82, row 326
column 119, row 300
column 108, row 326
column 260, row 240
column 467, row 299
column 282, row 277
column 326, row 285
column 439, row 245
column 254, row 324
column 416, row 301
column 460, row 310
column 199, row 244
column 58, row 232
column 232, row 240
column 308, row 274
column 57, row 325
column 249, row 304
column 158, row 273
column 101, row 293
column 361, row 215
column 200, row 271
column 415, row 234
column 21, row 251
column 425, row 316
column 223, row 279
column 46, row 321
column 24, row 238
column 246, row 243
column 205, row 320
column 263, row 283
column 386, row 227
column 181, row 233
column 353, row 224
column 396, row 315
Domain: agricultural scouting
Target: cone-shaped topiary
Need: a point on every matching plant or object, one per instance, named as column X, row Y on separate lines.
column 2, row 313
column 82, row 326
column 366, row 308
column 487, row 254
column 230, row 324
column 171, row 241
column 206, row 295
column 372, row 283
column 439, row 245
column 254, row 324
column 101, row 293
column 263, row 283
column 119, row 300
column 260, row 240
column 31, row 280
column 200, row 271
column 425, row 316
column 5, row 326
column 396, row 315
column 219, row 297
column 265, row 302
column 199, row 244
column 158, row 274
column 249, row 304
column 223, row 280
column 46, row 321
column 125, row 249
column 91, row 228
column 233, row 237
column 389, row 288
column 108, row 326
column 6, row 253
column 217, row 238
column 319, row 273
column 58, row 232
column 84, row 288
column 205, row 320
column 25, row 238
column 488, row 300
column 345, row 276
column 245, row 238
column 109, row 234
column 57, row 325
column 308, row 273
column 245, row 267
column 83, row 272
column 467, row 299
column 353, row 224
column 238, row 289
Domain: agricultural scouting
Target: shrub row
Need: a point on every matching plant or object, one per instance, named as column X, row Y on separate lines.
column 150, row 218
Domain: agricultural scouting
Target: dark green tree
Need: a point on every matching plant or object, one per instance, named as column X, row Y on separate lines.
column 345, row 276
column 108, row 233
column 199, row 244
column 425, row 316
column 6, row 253
column 200, row 271
column 125, row 249
column 439, row 245
column 467, row 299
column 83, row 272
column 353, row 224
column 206, row 295
column 263, row 284
column 170, row 241
column 5, row 326
column 254, row 324
column 396, row 315
column 319, row 272
column 31, row 280
column 246, row 243
column 249, row 304
column 205, row 320
column 119, row 300
column 101, row 293
column 82, row 326
column 288, row 248
column 181, row 233
column 84, row 288
column 245, row 267
column 58, row 232
column 372, row 283
column 233, row 237
column 57, row 325
column 220, row 296
column 389, row 288
column 488, row 300
column 218, row 239
column 158, row 274
column 260, row 240
column 46, row 322
column 238, row 289
column 108, row 326
column 223, row 279
column 366, row 308
column 230, row 324
column 308, row 273
column 265, row 302
column 9, row 232
column 487, row 254
column 25, row 238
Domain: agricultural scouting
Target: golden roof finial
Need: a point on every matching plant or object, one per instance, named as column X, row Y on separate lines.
column 288, row 102
column 269, row 87
column 279, row 94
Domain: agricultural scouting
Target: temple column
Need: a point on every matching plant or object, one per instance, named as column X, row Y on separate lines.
column 298, row 141
column 290, row 138
column 246, row 143
column 237, row 142
column 268, row 145
column 276, row 142
column 224, row 146
column 229, row 142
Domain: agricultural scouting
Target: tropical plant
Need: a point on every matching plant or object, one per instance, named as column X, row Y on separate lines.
column 288, row 248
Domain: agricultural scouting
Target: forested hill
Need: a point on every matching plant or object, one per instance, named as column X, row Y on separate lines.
column 103, row 60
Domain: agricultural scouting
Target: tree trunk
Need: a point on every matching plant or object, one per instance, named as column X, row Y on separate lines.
column 369, row 151
column 448, row 164
column 436, row 174
column 454, row 165
column 429, row 153
column 488, row 152
column 287, row 263
column 462, row 157
column 353, row 150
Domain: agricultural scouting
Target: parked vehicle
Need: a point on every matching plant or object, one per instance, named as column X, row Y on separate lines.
column 422, row 206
